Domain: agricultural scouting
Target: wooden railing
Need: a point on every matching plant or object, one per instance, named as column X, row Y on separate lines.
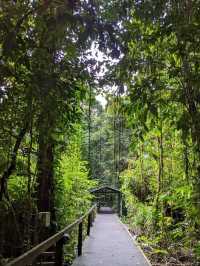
column 58, row 240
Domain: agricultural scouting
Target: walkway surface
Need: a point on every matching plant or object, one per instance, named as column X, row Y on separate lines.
column 110, row 244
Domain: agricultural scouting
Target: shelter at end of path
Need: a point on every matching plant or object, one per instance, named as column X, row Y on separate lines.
column 107, row 196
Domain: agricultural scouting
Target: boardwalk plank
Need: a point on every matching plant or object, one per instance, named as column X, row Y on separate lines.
column 110, row 245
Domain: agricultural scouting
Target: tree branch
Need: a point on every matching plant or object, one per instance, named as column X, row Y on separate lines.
column 12, row 166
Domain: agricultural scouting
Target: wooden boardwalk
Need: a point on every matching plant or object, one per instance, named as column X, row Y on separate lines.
column 110, row 245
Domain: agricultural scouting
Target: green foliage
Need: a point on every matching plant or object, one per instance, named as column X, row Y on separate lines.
column 108, row 142
column 18, row 188
column 72, row 186
column 197, row 250
column 159, row 206
column 161, row 75
column 72, row 183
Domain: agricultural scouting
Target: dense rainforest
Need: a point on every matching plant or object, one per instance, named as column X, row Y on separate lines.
column 99, row 93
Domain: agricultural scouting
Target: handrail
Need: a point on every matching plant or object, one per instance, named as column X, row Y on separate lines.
column 28, row 257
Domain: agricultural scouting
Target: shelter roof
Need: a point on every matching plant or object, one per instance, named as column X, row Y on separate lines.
column 104, row 188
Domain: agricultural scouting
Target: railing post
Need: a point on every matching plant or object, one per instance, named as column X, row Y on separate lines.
column 59, row 250
column 80, row 238
column 89, row 224
column 92, row 217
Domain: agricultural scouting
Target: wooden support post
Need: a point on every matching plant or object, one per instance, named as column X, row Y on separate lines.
column 124, row 209
column 80, row 238
column 92, row 217
column 59, row 253
column 119, row 204
column 89, row 224
column 91, row 221
column 59, row 250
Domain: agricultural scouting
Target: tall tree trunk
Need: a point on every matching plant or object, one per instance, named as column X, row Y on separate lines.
column 119, row 148
column 160, row 174
column 186, row 160
column 142, row 180
column 100, row 150
column 45, row 174
column 114, row 146
column 89, row 132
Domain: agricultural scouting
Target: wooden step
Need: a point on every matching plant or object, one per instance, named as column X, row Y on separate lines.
column 46, row 263
column 48, row 254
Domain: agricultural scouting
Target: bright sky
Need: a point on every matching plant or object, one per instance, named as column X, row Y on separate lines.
column 101, row 57
column 102, row 100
